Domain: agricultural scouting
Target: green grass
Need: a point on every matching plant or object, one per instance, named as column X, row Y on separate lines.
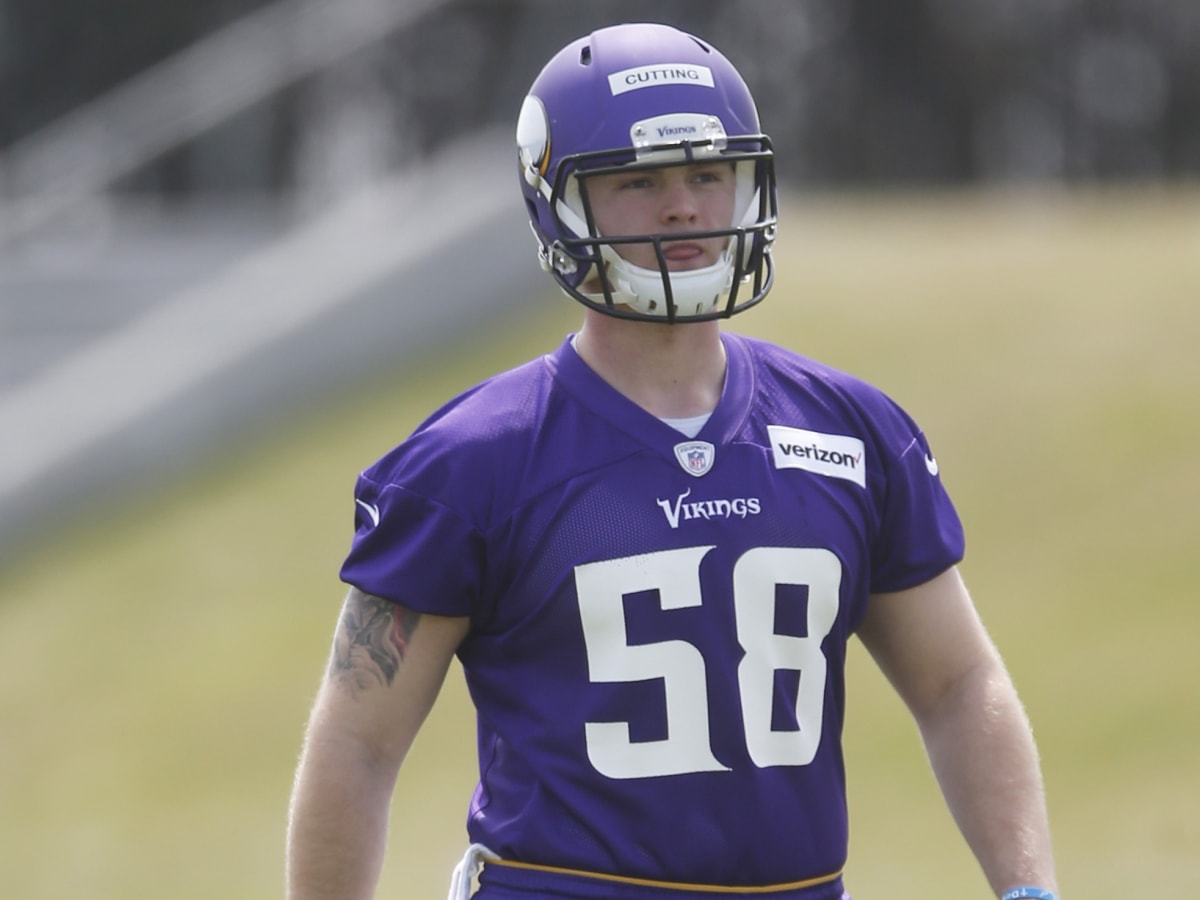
column 158, row 659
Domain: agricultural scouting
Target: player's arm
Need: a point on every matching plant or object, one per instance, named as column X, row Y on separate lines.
column 387, row 665
column 932, row 647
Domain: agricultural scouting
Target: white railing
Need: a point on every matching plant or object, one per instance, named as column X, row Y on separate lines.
column 182, row 97
column 134, row 372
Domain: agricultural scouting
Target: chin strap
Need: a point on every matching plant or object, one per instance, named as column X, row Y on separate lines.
column 463, row 877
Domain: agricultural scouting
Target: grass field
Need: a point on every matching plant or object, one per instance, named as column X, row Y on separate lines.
column 157, row 662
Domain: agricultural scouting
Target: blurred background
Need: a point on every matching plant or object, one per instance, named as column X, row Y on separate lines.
column 245, row 247
column 147, row 151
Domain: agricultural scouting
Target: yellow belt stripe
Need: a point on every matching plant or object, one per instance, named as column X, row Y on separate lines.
column 671, row 885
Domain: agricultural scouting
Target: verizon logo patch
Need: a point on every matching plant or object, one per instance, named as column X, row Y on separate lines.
column 833, row 455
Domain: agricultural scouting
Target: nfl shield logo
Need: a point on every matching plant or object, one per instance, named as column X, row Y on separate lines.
column 696, row 457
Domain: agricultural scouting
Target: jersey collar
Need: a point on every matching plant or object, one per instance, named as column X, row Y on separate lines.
column 600, row 397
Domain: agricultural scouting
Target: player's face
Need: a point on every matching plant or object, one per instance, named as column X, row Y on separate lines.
column 673, row 199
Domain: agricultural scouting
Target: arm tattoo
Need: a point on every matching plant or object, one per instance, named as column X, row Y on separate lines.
column 372, row 640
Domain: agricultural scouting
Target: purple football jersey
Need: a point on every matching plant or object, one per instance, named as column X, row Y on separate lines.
column 658, row 624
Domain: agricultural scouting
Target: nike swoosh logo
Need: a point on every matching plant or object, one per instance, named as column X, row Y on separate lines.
column 372, row 510
column 930, row 464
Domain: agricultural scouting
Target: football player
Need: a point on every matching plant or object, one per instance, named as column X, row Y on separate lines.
column 649, row 549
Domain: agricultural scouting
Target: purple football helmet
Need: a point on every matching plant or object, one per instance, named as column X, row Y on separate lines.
column 645, row 96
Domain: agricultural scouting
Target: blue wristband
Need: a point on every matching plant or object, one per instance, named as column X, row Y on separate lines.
column 1028, row 893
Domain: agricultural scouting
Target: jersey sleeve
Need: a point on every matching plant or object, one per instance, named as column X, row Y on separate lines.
column 412, row 550
column 920, row 533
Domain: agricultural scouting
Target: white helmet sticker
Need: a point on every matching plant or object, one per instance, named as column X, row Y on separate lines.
column 656, row 76
column 676, row 128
